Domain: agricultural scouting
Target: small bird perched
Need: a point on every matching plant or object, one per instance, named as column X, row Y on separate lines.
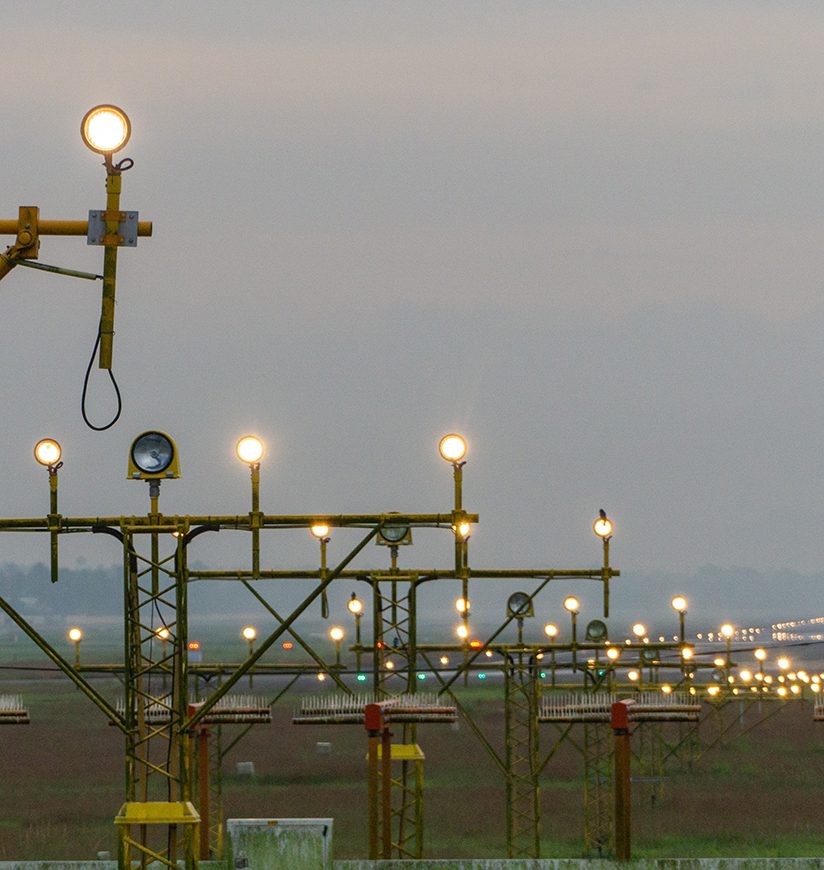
column 602, row 513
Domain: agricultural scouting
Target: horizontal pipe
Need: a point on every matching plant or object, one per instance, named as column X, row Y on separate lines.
column 65, row 228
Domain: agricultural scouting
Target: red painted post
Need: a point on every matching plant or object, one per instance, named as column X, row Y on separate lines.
column 619, row 720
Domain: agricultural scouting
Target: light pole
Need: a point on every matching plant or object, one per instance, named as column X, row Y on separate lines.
column 571, row 605
column 679, row 605
column 47, row 452
column 249, row 449
column 249, row 633
column 355, row 607
column 551, row 631
column 321, row 532
column 336, row 633
column 75, row 635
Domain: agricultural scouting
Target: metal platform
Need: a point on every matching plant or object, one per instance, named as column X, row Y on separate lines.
column 349, row 709
column 12, row 711
column 229, row 710
column 595, row 707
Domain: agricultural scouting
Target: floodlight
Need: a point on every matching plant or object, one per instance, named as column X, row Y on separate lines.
column 519, row 605
column 47, row 452
column 153, row 456
column 105, row 129
column 249, row 449
column 452, row 448
column 596, row 629
column 394, row 534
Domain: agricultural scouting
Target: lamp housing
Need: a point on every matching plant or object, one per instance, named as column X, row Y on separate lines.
column 153, row 456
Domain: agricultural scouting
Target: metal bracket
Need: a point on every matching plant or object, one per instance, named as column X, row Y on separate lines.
column 98, row 233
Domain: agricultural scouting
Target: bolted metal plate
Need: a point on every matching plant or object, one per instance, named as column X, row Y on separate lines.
column 126, row 229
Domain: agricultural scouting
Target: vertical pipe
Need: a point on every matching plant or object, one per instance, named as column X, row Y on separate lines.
column 203, row 786
column 372, row 794
column 605, row 577
column 619, row 715
column 386, row 791
column 113, row 185
column 255, row 475
column 53, row 520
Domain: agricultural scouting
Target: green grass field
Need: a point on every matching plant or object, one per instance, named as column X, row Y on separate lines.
column 62, row 776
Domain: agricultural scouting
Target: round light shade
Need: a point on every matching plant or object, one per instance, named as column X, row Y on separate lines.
column 596, row 630
column 249, row 632
column 639, row 629
column 75, row 634
column 153, row 452
column 452, row 448
column 319, row 530
column 393, row 534
column 572, row 604
column 47, row 452
column 336, row 633
column 550, row 630
column 249, row 449
column 679, row 603
column 355, row 605
column 105, row 129
column 519, row 605
column 602, row 527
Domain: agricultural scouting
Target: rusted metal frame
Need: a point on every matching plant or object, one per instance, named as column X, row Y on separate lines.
column 305, row 646
column 191, row 721
column 88, row 690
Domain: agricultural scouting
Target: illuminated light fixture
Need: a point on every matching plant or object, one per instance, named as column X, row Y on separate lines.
column 105, row 129
column 745, row 675
column 613, row 653
column 75, row 634
column 319, row 530
column 452, row 447
column 519, row 605
column 421, row 677
column 390, row 666
column 321, row 677
column 249, row 449
column 462, row 605
column 782, row 691
column 249, row 633
column 489, row 653
column 632, row 676
column 816, row 687
column 795, row 689
column 153, row 456
column 287, row 644
column 639, row 629
column 463, row 530
column 719, row 662
column 47, row 452
column 727, row 630
column 572, row 604
column 550, row 630
column 193, row 646
column 163, row 633
column 336, row 633
column 444, row 660
column 602, row 526
column 679, row 604
column 476, row 644
column 361, row 678
column 666, row 688
column 783, row 663
column 462, row 631
column 686, row 653
column 760, row 654
column 354, row 605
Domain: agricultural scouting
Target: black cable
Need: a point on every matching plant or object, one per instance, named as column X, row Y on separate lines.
column 86, row 386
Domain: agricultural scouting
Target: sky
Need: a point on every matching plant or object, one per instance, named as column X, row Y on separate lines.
column 587, row 235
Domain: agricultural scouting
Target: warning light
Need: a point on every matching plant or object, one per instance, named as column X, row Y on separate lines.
column 193, row 645
column 287, row 644
column 361, row 678
column 475, row 644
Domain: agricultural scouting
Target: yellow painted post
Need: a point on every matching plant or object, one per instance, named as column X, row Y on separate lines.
column 112, row 240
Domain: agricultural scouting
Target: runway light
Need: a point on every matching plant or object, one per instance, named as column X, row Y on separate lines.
column 632, row 676
column 452, row 447
column 666, row 689
column 152, row 457
column 679, row 604
column 105, row 129
column 75, row 634
column 602, row 526
column 639, row 630
column 686, row 653
column 760, row 654
column 462, row 605
column 444, row 660
column 613, row 653
column 719, row 662
column 354, row 605
column 336, row 633
column 462, row 631
column 249, row 449
column 463, row 530
column 287, row 644
column 249, row 633
column 163, row 633
column 572, row 604
column 361, row 678
column 783, row 663
column 746, row 675
column 550, row 630
column 48, row 452
column 319, row 530
column 727, row 630
column 481, row 676
column 421, row 677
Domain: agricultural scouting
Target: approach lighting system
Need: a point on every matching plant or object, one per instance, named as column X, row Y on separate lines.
column 463, row 530
column 355, row 605
column 105, row 129
column 336, row 633
column 519, row 605
column 760, row 654
column 319, row 530
column 727, row 630
column 249, row 632
column 75, row 634
column 452, row 448
column 602, row 526
column 572, row 604
column 550, row 630
column 392, row 534
column 48, row 452
column 249, row 449
column 679, row 604
column 153, row 457
column 462, row 605
column 639, row 629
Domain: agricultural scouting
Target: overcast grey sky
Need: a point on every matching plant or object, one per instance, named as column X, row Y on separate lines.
column 588, row 235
